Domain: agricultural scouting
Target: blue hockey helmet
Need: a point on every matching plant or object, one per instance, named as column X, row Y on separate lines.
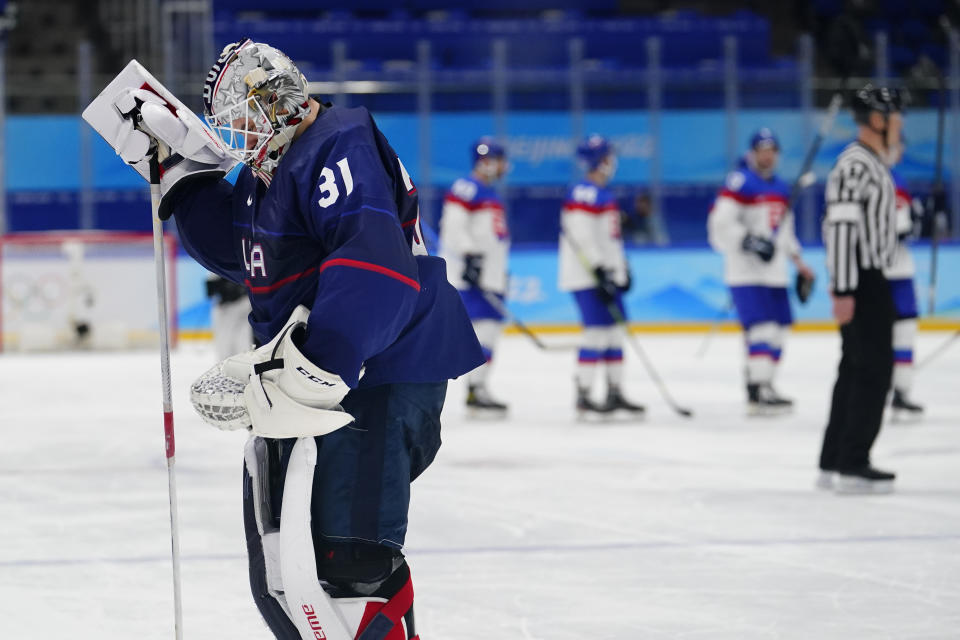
column 486, row 147
column 764, row 138
column 593, row 150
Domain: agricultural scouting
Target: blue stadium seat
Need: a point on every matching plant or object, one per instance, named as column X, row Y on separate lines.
column 458, row 43
column 915, row 32
column 902, row 57
column 828, row 8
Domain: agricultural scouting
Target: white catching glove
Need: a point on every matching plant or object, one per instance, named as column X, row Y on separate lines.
column 275, row 391
column 186, row 148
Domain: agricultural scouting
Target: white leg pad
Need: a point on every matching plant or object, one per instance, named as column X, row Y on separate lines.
column 254, row 455
column 311, row 609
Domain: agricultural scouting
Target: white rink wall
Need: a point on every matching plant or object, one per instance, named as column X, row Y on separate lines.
column 537, row 527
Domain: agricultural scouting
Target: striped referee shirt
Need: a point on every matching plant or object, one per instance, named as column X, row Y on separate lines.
column 859, row 229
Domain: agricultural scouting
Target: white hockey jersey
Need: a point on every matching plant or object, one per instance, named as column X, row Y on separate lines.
column 590, row 224
column 749, row 203
column 902, row 266
column 473, row 222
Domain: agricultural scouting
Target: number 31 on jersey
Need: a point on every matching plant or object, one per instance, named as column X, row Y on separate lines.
column 329, row 191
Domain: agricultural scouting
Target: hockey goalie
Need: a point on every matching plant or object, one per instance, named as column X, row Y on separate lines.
column 360, row 330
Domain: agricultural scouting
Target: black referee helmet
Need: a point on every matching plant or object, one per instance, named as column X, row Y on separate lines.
column 884, row 100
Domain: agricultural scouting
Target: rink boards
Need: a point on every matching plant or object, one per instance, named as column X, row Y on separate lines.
column 673, row 290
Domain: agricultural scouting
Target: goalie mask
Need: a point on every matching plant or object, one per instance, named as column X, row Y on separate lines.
column 254, row 98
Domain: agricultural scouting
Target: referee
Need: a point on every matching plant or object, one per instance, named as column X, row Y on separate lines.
column 860, row 236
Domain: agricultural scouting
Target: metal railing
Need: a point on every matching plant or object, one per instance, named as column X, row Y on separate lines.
column 182, row 48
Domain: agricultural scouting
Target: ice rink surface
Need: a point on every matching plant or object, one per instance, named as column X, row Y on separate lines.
column 538, row 527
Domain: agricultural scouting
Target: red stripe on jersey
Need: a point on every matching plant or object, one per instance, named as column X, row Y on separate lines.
column 408, row 223
column 903, row 194
column 571, row 206
column 757, row 199
column 369, row 266
column 473, row 206
column 279, row 283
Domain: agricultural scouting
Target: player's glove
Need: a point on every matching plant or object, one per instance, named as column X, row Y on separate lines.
column 225, row 290
column 761, row 247
column 804, row 287
column 607, row 289
column 937, row 210
column 186, row 149
column 472, row 268
column 626, row 286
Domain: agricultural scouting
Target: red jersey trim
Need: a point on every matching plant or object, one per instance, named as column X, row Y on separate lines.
column 571, row 206
column 757, row 199
column 336, row 262
column 369, row 266
column 279, row 283
column 473, row 206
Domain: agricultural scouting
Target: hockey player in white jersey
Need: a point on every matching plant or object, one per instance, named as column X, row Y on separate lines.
column 593, row 267
column 900, row 276
column 752, row 226
column 475, row 241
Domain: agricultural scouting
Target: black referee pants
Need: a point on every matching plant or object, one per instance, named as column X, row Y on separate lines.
column 863, row 379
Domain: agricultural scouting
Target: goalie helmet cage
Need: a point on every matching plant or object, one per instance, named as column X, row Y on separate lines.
column 82, row 290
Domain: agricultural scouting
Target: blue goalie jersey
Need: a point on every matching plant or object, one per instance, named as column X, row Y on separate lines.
column 337, row 231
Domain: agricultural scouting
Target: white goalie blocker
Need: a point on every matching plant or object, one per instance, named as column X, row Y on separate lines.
column 139, row 117
column 274, row 391
column 108, row 115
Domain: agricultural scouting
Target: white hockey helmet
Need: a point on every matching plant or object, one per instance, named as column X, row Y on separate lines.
column 254, row 98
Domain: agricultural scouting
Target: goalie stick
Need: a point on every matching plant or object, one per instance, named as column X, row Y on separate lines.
column 105, row 120
column 164, row 323
column 634, row 344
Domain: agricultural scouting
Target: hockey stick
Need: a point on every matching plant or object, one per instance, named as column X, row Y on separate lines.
column 163, row 320
column 936, row 193
column 502, row 309
column 619, row 318
column 939, row 351
column 714, row 327
column 804, row 179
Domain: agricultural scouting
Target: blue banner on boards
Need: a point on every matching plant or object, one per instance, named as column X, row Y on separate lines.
column 539, row 143
column 669, row 285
